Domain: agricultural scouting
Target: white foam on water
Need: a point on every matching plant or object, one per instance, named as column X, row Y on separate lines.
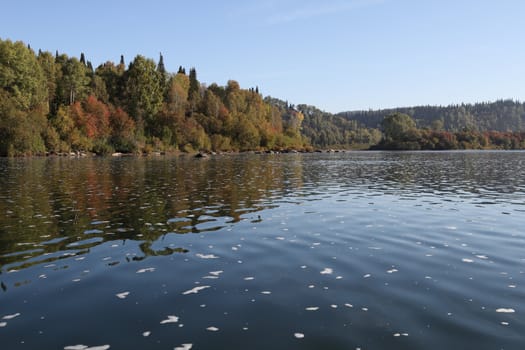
column 327, row 271
column 122, row 295
column 216, row 273
column 392, row 271
column 280, row 238
column 505, row 311
column 349, row 305
column 76, row 347
column 206, row 256
column 311, row 286
column 339, row 278
column 195, row 290
column 364, row 308
column 3, row 324
column 210, row 277
column 186, row 346
column 266, row 292
column 452, row 228
column 148, row 269
column 170, row 319
column 312, row 308
column 249, row 278
column 146, row 334
column 303, row 267
column 299, row 335
column 10, row 317
column 512, row 286
column 212, row 329
column 483, row 257
column 367, row 275
column 465, row 260
column 101, row 347
column 333, row 306
column 504, row 323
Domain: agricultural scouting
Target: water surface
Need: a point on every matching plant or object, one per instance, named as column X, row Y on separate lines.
column 369, row 250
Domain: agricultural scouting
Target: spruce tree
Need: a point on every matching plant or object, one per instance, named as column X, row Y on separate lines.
column 160, row 66
column 194, row 90
column 194, row 83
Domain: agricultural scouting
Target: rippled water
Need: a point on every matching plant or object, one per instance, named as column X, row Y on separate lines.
column 321, row 251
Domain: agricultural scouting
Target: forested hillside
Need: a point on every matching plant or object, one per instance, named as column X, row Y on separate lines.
column 503, row 115
column 51, row 103
column 326, row 130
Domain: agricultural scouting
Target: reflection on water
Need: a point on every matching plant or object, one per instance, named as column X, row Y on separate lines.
column 59, row 207
column 369, row 250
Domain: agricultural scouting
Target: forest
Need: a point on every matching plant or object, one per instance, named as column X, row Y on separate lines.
column 56, row 104
column 502, row 115
column 400, row 132
column 53, row 103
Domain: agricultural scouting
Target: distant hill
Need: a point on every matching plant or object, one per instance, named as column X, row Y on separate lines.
column 361, row 129
column 502, row 115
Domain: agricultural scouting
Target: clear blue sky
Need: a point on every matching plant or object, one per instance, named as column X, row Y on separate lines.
column 335, row 54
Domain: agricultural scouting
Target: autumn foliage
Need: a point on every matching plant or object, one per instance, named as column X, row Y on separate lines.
column 53, row 103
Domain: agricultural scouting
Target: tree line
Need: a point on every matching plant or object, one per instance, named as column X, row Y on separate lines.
column 53, row 103
column 501, row 115
column 400, row 132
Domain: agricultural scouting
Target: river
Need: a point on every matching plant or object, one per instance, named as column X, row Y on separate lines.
column 356, row 250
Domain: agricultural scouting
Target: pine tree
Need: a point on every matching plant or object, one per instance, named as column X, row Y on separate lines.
column 160, row 66
column 194, row 90
column 194, row 83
